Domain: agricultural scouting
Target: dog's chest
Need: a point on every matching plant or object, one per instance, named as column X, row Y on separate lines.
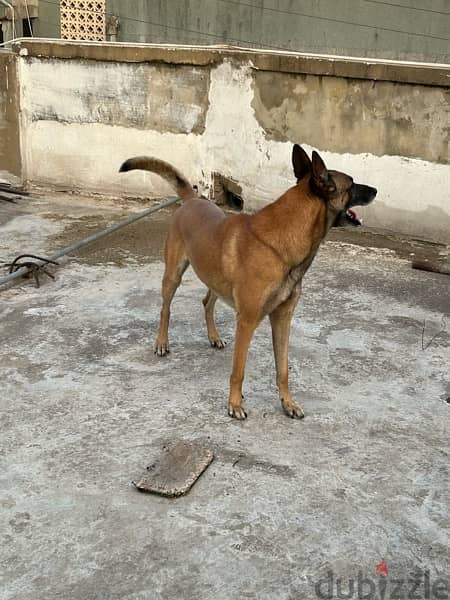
column 281, row 294
column 290, row 286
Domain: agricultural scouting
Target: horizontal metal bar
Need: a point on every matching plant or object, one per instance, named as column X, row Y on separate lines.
column 92, row 238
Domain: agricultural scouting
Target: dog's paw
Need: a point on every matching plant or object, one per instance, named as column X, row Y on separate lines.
column 237, row 412
column 162, row 348
column 292, row 409
column 217, row 342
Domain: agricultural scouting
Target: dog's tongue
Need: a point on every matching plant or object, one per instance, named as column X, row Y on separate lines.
column 353, row 217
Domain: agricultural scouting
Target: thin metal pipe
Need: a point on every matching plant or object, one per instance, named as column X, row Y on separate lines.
column 92, row 238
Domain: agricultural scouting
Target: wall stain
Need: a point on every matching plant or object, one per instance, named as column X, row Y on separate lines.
column 157, row 96
column 353, row 115
column 9, row 115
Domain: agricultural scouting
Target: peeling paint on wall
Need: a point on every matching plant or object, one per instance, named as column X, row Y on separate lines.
column 164, row 98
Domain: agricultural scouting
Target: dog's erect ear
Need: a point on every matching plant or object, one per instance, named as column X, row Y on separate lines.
column 321, row 177
column 300, row 162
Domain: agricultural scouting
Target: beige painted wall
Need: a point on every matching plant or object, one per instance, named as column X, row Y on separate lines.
column 87, row 108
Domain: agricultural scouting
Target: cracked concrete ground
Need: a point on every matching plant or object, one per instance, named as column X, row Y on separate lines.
column 85, row 406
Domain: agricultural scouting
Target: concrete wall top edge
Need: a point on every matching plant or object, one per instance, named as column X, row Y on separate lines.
column 264, row 60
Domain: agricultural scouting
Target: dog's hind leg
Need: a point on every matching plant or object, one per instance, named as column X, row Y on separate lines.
column 213, row 335
column 176, row 265
column 280, row 319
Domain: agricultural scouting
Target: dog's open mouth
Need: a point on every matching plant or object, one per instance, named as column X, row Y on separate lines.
column 352, row 217
column 349, row 217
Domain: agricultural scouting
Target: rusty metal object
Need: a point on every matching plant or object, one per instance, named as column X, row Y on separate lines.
column 177, row 469
column 433, row 266
column 33, row 268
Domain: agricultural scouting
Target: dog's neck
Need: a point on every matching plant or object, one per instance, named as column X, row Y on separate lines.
column 294, row 225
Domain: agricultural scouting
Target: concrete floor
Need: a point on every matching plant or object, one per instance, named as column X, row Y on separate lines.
column 85, row 406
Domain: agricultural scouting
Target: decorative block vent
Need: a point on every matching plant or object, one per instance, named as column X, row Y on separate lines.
column 83, row 20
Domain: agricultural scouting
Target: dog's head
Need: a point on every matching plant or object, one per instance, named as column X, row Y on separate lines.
column 337, row 189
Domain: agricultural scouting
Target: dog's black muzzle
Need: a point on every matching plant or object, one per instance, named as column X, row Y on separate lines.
column 361, row 195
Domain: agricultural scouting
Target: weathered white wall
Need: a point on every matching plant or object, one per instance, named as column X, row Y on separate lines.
column 81, row 119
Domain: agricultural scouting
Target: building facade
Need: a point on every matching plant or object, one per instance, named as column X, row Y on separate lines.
column 417, row 30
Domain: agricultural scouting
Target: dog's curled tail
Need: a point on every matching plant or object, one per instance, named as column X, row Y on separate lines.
column 164, row 170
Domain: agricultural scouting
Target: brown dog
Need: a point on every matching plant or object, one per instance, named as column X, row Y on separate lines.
column 255, row 263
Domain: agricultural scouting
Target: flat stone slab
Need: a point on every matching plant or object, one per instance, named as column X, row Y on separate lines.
column 177, row 469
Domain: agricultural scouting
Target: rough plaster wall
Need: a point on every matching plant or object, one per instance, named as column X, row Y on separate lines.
column 355, row 115
column 165, row 98
column 413, row 194
column 9, row 129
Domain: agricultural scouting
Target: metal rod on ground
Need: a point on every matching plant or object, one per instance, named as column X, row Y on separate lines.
column 433, row 266
column 90, row 239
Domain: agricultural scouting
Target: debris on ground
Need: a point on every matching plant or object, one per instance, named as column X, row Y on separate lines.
column 177, row 469
column 433, row 266
column 11, row 193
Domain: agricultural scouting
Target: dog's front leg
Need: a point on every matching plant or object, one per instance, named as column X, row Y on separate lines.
column 244, row 332
column 280, row 319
